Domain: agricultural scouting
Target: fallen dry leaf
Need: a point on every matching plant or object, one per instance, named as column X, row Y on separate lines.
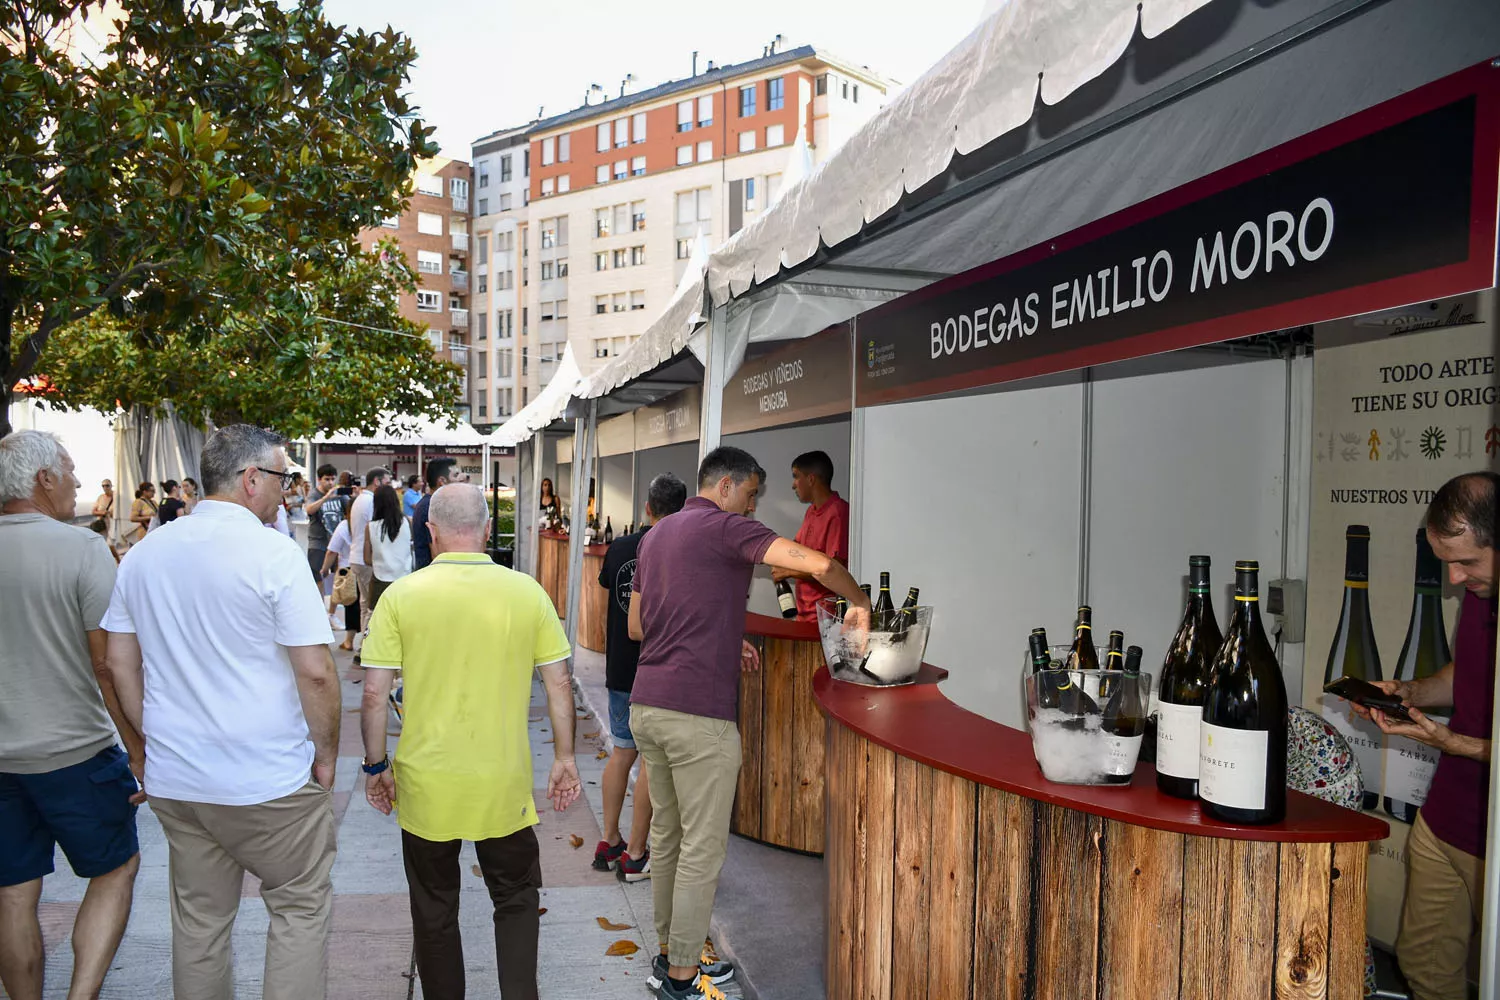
column 605, row 923
column 541, row 910
column 476, row 871
column 602, row 755
column 591, row 734
column 575, row 840
column 620, row 948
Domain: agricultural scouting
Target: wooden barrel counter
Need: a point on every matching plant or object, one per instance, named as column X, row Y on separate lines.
column 552, row 568
column 780, row 797
column 594, row 607
column 955, row 870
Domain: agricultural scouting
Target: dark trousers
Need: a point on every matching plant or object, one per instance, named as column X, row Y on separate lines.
column 512, row 870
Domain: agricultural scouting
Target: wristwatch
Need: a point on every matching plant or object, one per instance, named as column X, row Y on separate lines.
column 373, row 769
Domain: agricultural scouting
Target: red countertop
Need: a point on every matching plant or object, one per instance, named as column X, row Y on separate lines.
column 780, row 628
column 918, row 721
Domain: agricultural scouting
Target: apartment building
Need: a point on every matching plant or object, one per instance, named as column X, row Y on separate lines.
column 502, row 175
column 618, row 193
column 434, row 233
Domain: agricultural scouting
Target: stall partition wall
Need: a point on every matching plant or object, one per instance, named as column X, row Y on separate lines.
column 778, row 507
column 678, row 459
column 985, row 502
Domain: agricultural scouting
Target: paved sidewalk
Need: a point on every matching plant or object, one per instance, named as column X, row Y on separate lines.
column 371, row 952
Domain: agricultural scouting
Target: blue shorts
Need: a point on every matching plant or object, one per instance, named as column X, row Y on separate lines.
column 619, row 720
column 84, row 809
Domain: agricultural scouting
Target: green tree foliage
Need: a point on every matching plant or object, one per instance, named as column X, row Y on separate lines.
column 178, row 214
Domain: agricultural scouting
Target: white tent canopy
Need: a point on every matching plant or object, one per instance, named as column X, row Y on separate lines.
column 405, row 430
column 550, row 403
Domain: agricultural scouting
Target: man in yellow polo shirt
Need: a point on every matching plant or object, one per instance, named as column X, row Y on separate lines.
column 466, row 635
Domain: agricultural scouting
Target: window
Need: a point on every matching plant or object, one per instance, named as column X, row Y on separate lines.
column 685, row 116
column 525, row 366
column 505, row 171
column 482, row 363
column 846, row 89
column 687, row 211
column 482, row 250
column 705, row 111
column 620, row 257
column 601, row 221
column 637, row 216
column 638, row 127
column 548, row 186
column 564, row 147
column 483, row 410
column 484, row 175
column 549, row 234
column 562, row 313
column 601, row 137
column 775, row 94
column 484, row 206
column 618, row 302
column 622, row 169
column 684, row 155
column 856, row 93
column 429, row 302
column 601, row 304
column 484, row 326
column 705, row 204
column 601, row 174
column 601, row 261
column 526, row 162
column 429, row 223
column 601, row 348
column 504, row 280
column 747, row 141
column 549, row 270
column 637, row 256
column 548, row 313
column 482, row 283
column 505, row 242
column 684, row 249
column 549, row 151
column 564, row 183
column 430, row 184
column 622, row 132
column 503, row 362
column 638, row 166
column 773, row 187
column 458, row 190
column 705, row 152
column 454, row 302
column 637, row 301
column 747, row 101
column 505, row 203
column 775, row 135
column 749, row 194
column 820, row 86
column 429, row 262
column 622, row 219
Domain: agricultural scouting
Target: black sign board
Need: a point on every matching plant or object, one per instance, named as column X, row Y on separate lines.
column 806, row 380
column 1391, row 206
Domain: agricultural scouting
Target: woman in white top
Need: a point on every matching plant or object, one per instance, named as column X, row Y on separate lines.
column 387, row 542
column 338, row 556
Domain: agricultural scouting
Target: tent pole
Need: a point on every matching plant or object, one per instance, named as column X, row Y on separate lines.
column 1489, row 926
column 533, row 520
column 714, row 377
column 583, row 471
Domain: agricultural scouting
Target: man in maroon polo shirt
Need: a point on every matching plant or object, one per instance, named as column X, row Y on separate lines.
column 825, row 527
column 691, row 585
column 1446, row 850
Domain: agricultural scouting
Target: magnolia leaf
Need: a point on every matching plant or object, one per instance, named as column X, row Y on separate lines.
column 606, row 924
column 622, row 949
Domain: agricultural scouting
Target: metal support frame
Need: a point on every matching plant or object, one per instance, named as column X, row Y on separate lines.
column 1489, row 926
column 535, row 449
column 585, row 428
column 1086, row 486
column 715, row 360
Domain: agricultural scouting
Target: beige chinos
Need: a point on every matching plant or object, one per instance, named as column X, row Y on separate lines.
column 1443, row 903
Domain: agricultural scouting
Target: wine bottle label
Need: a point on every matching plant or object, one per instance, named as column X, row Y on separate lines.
column 1177, row 739
column 1123, row 753
column 1232, row 766
column 1409, row 767
column 1363, row 736
column 787, row 600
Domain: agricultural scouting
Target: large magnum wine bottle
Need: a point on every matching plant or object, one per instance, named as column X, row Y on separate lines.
column 1409, row 764
column 1083, row 655
column 1182, row 686
column 786, row 598
column 1125, row 721
column 1242, row 748
column 1353, row 654
column 884, row 609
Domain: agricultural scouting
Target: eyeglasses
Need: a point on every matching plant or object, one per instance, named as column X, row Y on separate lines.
column 285, row 477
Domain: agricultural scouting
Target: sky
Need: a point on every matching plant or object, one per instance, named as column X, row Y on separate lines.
column 483, row 66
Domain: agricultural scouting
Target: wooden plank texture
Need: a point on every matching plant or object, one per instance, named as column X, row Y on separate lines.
column 1302, row 921
column 776, row 737
column 594, row 608
column 1346, row 937
column 747, row 796
column 808, row 799
column 913, row 850
column 839, row 861
column 876, row 866
column 1140, row 911
column 1067, row 934
column 950, row 932
column 1004, row 895
column 1228, row 919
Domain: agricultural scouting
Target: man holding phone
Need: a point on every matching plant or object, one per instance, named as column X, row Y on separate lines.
column 325, row 509
column 1446, row 849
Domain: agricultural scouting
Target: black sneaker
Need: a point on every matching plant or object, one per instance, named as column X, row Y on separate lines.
column 718, row 972
column 702, row 988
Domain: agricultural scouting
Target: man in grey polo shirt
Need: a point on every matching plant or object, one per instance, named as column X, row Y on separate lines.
column 64, row 782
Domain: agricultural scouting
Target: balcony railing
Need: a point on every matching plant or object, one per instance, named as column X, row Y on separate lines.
column 461, row 242
column 460, row 280
column 460, row 318
column 460, row 355
column 461, row 203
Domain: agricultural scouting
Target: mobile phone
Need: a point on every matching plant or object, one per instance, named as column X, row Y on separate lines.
column 1367, row 694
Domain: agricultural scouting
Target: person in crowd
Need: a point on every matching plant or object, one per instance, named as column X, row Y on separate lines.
column 411, row 495
column 325, row 511
column 64, row 781
column 825, row 527
column 100, row 527
column 296, row 499
column 104, row 509
column 387, row 543
column 142, row 512
column 665, row 496
column 190, row 493
column 548, row 504
column 172, row 504
column 360, row 513
column 337, row 558
column 240, row 711
column 440, row 472
column 1445, row 853
column 467, row 635
column 690, row 589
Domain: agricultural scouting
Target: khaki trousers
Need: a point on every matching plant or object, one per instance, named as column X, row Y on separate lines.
column 364, row 577
column 694, row 764
column 1444, row 891
column 288, row 843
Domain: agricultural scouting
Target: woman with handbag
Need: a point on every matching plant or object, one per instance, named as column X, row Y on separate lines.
column 142, row 512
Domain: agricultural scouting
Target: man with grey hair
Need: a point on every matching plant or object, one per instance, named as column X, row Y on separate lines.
column 466, row 635
column 226, row 670
column 63, row 780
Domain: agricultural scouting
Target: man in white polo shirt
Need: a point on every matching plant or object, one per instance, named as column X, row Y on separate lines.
column 218, row 647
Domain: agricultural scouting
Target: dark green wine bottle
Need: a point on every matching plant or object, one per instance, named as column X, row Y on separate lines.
column 885, row 609
column 1182, row 685
column 1124, row 723
column 1354, row 654
column 1424, row 653
column 1242, row 749
column 907, row 616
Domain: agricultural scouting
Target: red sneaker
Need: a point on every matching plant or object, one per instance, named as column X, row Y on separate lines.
column 607, row 857
column 633, row 869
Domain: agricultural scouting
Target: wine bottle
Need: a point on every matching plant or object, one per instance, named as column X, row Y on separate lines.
column 884, row 609
column 1354, row 654
column 1183, row 683
column 907, row 616
column 609, row 532
column 1409, row 764
column 1242, row 746
column 786, row 598
column 1114, row 656
column 1083, row 655
column 865, row 588
column 1124, row 722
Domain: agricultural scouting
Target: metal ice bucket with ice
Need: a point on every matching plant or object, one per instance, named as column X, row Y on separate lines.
column 1078, row 748
column 878, row 659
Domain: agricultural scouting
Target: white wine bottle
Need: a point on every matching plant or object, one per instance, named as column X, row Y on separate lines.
column 907, row 616
column 1354, row 654
column 1410, row 765
column 1125, row 720
column 786, row 598
column 884, row 611
column 1182, row 686
column 1242, row 743
column 1083, row 655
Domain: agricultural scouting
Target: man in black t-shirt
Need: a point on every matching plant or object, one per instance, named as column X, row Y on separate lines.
column 324, row 509
column 666, row 496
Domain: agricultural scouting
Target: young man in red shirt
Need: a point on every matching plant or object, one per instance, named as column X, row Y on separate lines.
column 825, row 528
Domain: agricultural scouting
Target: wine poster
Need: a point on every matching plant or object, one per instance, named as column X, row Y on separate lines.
column 1402, row 402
